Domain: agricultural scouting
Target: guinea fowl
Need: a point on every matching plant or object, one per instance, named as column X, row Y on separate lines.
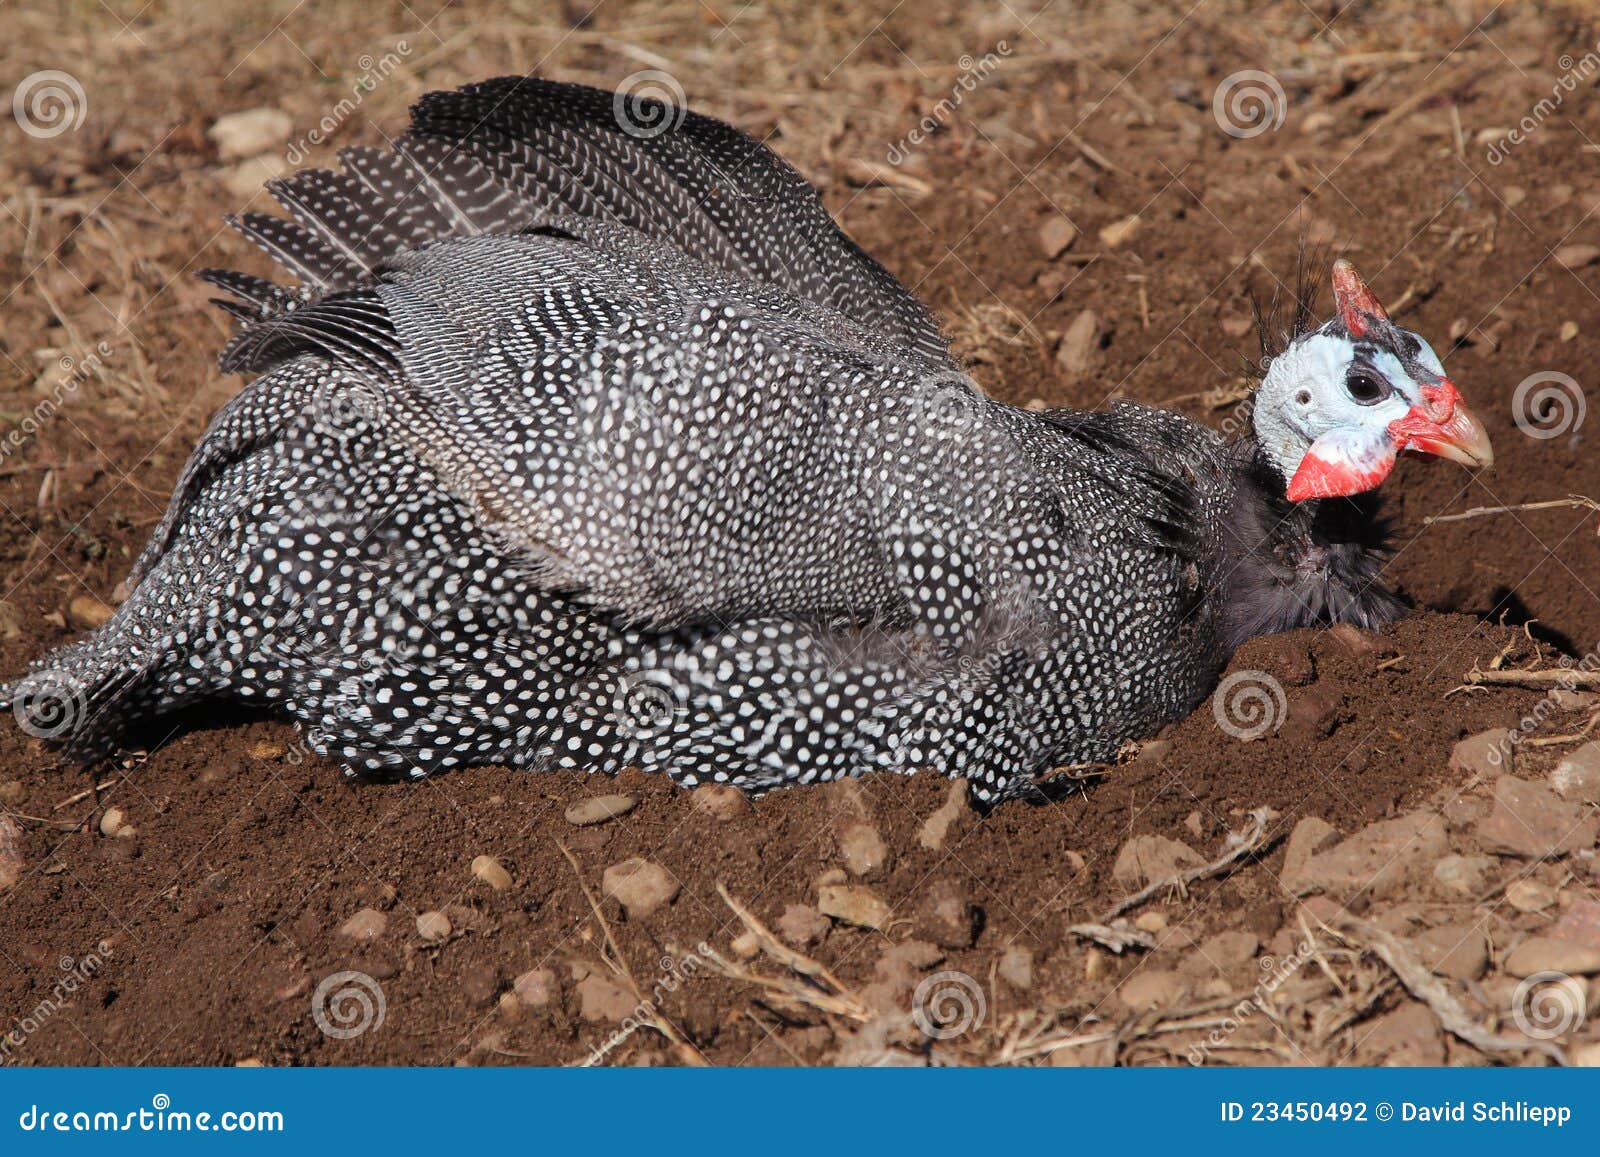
column 588, row 439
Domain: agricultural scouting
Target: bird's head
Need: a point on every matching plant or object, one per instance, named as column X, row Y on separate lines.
column 1341, row 402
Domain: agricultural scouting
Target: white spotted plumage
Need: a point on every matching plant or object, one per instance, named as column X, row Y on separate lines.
column 591, row 451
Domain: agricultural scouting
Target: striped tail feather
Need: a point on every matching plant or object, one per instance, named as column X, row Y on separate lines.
column 515, row 153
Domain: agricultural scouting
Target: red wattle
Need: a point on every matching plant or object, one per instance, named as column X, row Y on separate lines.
column 1320, row 477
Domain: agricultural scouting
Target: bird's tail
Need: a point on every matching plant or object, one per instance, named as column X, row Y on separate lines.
column 516, row 152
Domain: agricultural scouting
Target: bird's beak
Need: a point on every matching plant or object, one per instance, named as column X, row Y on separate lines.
column 1443, row 427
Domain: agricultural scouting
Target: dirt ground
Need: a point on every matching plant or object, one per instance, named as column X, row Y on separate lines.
column 1402, row 900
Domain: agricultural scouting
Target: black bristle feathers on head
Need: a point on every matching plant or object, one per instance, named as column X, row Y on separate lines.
column 1312, row 264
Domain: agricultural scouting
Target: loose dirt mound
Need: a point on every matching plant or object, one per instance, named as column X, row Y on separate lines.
column 242, row 902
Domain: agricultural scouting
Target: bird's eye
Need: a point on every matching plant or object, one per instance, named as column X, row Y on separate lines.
column 1366, row 387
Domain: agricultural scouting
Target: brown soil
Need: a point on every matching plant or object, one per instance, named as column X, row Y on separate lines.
column 219, row 918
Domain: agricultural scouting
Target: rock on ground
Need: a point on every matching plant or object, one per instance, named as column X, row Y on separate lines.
column 1528, row 819
column 1145, row 859
column 641, row 887
column 1379, row 858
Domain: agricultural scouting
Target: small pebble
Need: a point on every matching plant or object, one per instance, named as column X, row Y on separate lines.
column 89, row 612
column 365, row 926
column 1577, row 256
column 1079, row 351
column 1577, row 777
column 246, row 179
column 946, row 915
column 115, row 823
column 600, row 808
column 1151, row 922
column 1463, row 875
column 802, row 925
column 600, row 999
column 862, row 849
column 535, row 988
column 1016, row 967
column 1548, row 954
column 1146, row 859
column 720, row 801
column 937, row 827
column 1569, row 330
column 1056, row 236
column 1485, row 754
column 1120, row 232
column 1530, row 895
column 480, row 984
column 641, row 887
column 492, row 872
column 434, row 927
column 853, row 904
column 1151, row 988
column 250, row 133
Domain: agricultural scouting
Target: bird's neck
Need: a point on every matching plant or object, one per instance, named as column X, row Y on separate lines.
column 1297, row 564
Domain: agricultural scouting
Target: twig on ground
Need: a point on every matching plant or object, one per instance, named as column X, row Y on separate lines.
column 79, row 797
column 1571, row 737
column 1542, row 679
column 619, row 965
column 786, row 990
column 41, row 821
column 1118, row 937
column 825, row 991
column 1255, row 838
column 1572, row 500
column 1429, row 989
